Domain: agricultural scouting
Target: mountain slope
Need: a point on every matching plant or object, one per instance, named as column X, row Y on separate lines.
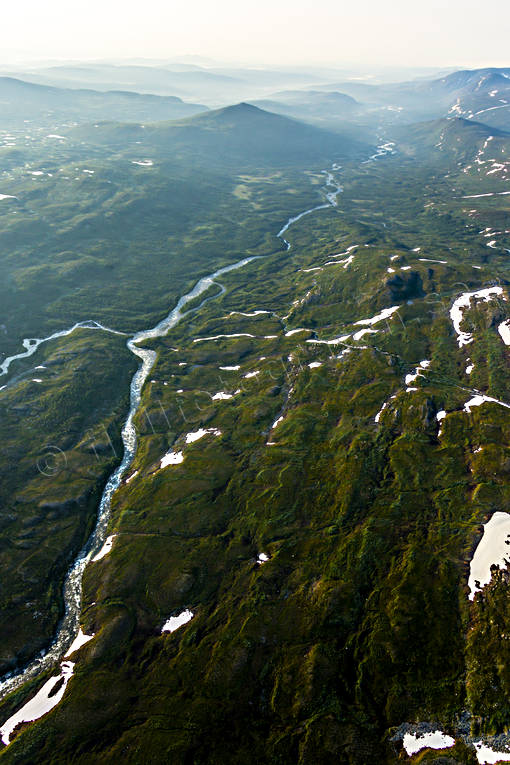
column 452, row 138
column 203, row 83
column 288, row 570
column 468, row 93
column 240, row 135
column 20, row 100
column 322, row 108
column 482, row 95
column 308, row 490
column 90, row 233
column 150, row 79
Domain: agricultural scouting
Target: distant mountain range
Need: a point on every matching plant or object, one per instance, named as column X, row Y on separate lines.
column 192, row 83
column 145, row 94
column 479, row 93
column 21, row 101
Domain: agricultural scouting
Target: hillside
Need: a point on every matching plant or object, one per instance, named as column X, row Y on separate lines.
column 255, row 428
column 186, row 81
column 43, row 104
column 320, row 442
column 483, row 95
column 328, row 109
column 480, row 94
column 206, row 83
column 92, row 235
column 453, row 139
column 241, row 135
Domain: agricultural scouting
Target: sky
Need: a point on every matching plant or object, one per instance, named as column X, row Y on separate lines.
column 356, row 33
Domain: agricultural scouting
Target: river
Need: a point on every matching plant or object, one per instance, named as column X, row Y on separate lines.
column 70, row 623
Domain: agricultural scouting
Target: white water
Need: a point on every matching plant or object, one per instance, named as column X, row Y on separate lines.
column 69, row 625
column 31, row 344
column 72, row 593
column 382, row 150
column 289, row 223
column 330, row 196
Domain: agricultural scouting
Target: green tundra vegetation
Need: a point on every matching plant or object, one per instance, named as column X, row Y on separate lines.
column 367, row 508
column 117, row 243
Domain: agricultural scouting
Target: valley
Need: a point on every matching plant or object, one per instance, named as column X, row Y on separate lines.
column 261, row 514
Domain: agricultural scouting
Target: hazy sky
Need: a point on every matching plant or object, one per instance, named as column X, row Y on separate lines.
column 414, row 32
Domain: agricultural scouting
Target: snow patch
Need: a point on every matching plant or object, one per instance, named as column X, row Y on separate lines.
column 464, row 301
column 410, row 378
column 492, row 550
column 172, row 458
column 363, row 332
column 105, row 549
column 77, row 643
column 480, row 399
column 175, row 622
column 486, row 755
column 198, row 434
column 253, row 313
column 41, row 703
column 414, row 742
column 220, row 337
column 504, row 331
column 296, row 331
column 335, row 341
column 384, row 314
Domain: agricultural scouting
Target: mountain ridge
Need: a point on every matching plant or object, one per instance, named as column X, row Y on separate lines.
column 240, row 134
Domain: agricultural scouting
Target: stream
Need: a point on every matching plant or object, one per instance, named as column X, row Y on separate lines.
column 72, row 591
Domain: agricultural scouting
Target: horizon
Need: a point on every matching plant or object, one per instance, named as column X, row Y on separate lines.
column 320, row 75
column 286, row 35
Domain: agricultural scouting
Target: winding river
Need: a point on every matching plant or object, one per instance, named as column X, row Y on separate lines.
column 31, row 344
column 70, row 623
